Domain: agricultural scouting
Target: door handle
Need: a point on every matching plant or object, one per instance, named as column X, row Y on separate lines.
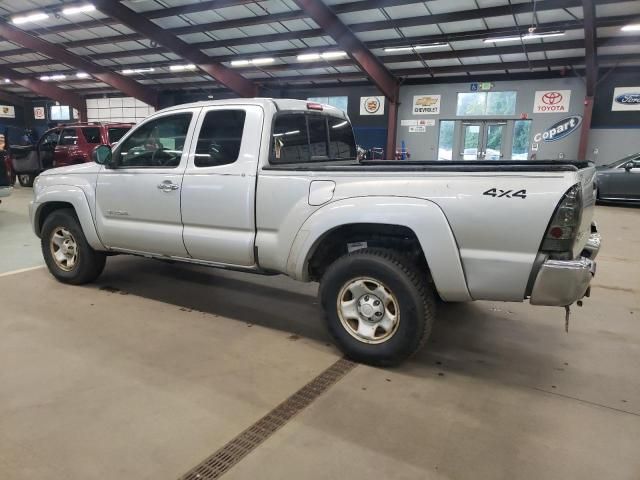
column 167, row 186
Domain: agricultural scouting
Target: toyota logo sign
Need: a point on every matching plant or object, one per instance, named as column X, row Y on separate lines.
column 552, row 98
column 552, row 101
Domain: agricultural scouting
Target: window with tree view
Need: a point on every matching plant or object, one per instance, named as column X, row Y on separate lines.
column 521, row 137
column 445, row 142
column 486, row 103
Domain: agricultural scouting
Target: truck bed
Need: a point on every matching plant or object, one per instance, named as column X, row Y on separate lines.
column 436, row 166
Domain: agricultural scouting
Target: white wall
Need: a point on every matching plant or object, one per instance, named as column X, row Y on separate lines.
column 117, row 109
column 424, row 146
column 612, row 144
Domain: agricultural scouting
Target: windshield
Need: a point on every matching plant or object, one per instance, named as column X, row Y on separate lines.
column 116, row 133
column 624, row 160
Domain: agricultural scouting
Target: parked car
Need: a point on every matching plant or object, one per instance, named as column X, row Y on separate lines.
column 274, row 187
column 7, row 178
column 64, row 145
column 620, row 180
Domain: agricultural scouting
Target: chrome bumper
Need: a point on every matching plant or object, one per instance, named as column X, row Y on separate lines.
column 562, row 282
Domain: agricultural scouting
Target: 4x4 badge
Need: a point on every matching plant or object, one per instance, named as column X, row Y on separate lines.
column 495, row 192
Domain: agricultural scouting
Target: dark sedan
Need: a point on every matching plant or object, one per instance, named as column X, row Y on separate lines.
column 620, row 180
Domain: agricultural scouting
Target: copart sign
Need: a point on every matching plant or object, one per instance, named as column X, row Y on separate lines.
column 552, row 101
column 559, row 130
column 626, row 98
column 426, row 104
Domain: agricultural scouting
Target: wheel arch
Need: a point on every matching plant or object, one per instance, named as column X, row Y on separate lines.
column 64, row 197
column 410, row 221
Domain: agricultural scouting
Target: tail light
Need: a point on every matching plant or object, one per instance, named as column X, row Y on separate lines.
column 565, row 223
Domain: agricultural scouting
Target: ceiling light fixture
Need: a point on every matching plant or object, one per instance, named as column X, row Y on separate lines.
column 6, row 80
column 130, row 71
column 80, row 9
column 254, row 61
column 46, row 78
column 410, row 48
column 182, row 68
column 306, row 57
column 526, row 36
column 82, row 75
column 32, row 17
column 635, row 27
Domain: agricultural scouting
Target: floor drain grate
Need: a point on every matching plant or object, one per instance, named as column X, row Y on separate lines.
column 221, row 461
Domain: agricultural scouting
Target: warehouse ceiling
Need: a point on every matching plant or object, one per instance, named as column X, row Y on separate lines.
column 275, row 44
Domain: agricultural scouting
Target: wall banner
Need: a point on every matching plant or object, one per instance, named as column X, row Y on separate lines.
column 626, row 99
column 39, row 113
column 552, row 101
column 7, row 111
column 372, row 105
column 559, row 130
column 426, row 105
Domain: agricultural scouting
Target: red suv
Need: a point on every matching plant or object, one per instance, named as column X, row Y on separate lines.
column 65, row 145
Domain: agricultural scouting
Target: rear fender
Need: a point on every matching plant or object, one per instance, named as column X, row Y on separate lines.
column 423, row 217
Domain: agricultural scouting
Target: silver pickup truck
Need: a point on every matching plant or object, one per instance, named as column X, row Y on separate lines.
column 274, row 187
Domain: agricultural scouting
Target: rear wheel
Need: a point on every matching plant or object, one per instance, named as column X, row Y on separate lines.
column 378, row 306
column 66, row 252
column 26, row 179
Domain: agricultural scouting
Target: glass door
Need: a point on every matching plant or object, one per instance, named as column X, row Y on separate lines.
column 482, row 140
column 493, row 141
column 471, row 141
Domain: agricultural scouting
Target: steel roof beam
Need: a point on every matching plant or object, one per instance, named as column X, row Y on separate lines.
column 48, row 90
column 59, row 54
column 261, row 39
column 231, row 79
column 336, row 29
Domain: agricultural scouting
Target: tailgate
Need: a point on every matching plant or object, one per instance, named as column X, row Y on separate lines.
column 586, row 178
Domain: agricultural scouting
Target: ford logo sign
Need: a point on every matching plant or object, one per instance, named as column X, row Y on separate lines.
column 559, row 130
column 628, row 99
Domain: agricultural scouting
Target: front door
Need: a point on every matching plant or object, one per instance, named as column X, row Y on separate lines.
column 482, row 140
column 218, row 190
column 138, row 193
column 625, row 183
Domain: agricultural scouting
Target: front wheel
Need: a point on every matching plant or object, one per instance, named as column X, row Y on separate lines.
column 378, row 306
column 66, row 251
column 26, row 179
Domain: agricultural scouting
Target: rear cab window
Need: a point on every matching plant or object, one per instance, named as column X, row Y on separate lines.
column 300, row 137
column 116, row 133
column 92, row 135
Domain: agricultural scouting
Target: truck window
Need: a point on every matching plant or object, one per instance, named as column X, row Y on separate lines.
column 69, row 137
column 116, row 133
column 290, row 141
column 220, row 138
column 318, row 137
column 92, row 135
column 156, row 144
column 299, row 137
column 342, row 144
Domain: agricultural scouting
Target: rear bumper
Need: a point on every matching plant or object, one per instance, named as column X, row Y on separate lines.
column 562, row 282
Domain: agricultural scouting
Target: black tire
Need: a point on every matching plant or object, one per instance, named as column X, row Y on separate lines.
column 88, row 265
column 26, row 179
column 408, row 286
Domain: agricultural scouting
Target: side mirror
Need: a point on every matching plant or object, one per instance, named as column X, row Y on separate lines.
column 628, row 166
column 101, row 155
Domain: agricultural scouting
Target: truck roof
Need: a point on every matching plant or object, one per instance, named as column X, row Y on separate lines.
column 280, row 103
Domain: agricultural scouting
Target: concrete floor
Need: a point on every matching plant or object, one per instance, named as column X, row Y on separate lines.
column 156, row 366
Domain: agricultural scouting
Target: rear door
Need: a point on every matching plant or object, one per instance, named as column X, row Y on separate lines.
column 218, row 190
column 138, row 197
